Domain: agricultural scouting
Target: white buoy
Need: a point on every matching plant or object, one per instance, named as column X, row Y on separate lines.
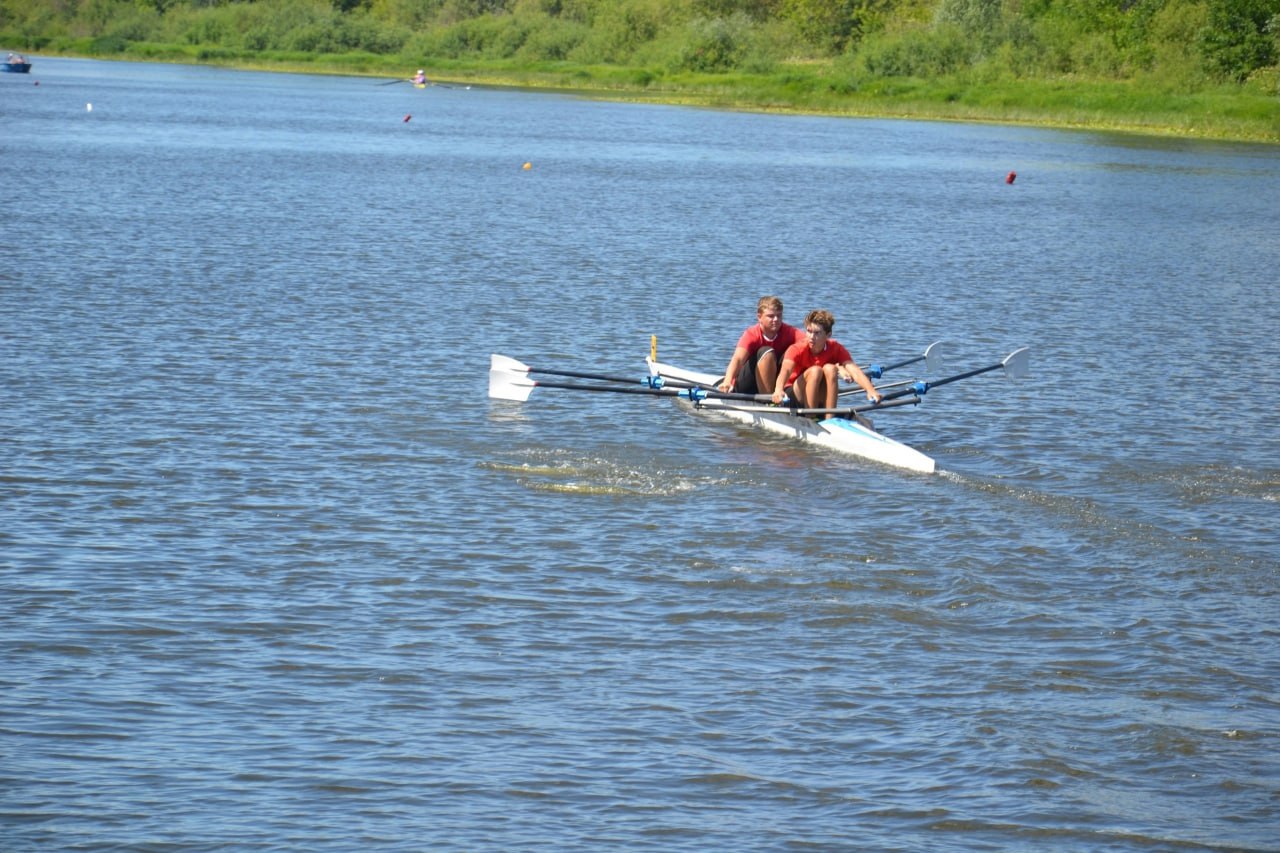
column 88, row 108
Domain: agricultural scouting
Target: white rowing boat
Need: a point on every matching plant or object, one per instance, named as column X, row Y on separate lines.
column 845, row 435
column 844, row 429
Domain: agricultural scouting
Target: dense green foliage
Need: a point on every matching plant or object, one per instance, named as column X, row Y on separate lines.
column 804, row 54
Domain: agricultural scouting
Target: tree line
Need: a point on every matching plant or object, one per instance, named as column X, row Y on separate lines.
column 1177, row 45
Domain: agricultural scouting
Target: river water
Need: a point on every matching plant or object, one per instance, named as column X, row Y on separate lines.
column 278, row 575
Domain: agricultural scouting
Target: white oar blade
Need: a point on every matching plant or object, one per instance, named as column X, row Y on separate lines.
column 934, row 355
column 505, row 385
column 507, row 363
column 1017, row 363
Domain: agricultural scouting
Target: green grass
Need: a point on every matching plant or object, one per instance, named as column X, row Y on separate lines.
column 1228, row 113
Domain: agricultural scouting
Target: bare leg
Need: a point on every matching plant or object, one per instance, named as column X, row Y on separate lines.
column 810, row 390
column 766, row 371
column 831, row 381
column 799, row 391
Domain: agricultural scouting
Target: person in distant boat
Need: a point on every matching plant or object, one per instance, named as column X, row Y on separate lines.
column 753, row 369
column 811, row 370
column 420, row 79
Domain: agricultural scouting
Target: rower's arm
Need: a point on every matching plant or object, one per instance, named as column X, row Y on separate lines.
column 731, row 372
column 856, row 375
column 784, row 373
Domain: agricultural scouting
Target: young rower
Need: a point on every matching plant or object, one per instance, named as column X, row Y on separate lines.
column 753, row 369
column 811, row 370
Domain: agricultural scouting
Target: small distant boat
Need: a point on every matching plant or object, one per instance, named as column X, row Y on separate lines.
column 17, row 64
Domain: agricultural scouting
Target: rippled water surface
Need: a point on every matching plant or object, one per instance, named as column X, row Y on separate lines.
column 277, row 574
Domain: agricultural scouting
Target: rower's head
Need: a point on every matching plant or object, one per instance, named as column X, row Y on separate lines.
column 818, row 325
column 769, row 313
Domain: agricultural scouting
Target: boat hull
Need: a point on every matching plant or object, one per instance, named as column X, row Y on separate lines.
column 17, row 67
column 839, row 434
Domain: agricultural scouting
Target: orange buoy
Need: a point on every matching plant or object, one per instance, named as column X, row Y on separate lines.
column 1011, row 177
column 527, row 166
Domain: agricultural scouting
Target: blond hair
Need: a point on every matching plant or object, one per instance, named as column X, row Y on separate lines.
column 767, row 302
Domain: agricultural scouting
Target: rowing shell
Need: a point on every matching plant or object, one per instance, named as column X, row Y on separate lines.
column 839, row 434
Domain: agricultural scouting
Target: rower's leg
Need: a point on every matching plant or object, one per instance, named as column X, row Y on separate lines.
column 744, row 382
column 831, row 385
column 810, row 387
column 799, row 392
column 767, row 370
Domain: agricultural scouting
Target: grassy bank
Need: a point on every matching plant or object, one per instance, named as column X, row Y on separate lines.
column 812, row 87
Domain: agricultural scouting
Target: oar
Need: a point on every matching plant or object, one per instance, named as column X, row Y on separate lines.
column 1014, row 364
column 882, row 388
column 511, row 365
column 519, row 368
column 506, row 385
column 393, row 82
column 932, row 358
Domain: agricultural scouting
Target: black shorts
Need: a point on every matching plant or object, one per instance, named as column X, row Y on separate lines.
column 745, row 381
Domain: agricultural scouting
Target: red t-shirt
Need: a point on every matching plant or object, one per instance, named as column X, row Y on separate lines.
column 753, row 338
column 804, row 358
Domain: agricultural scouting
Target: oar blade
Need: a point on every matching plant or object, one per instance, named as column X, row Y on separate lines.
column 507, row 363
column 505, row 385
column 1017, row 363
column 934, row 356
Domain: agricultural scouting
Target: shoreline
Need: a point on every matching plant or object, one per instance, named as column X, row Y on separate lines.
column 702, row 94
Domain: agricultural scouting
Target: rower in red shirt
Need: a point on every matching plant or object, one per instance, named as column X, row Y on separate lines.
column 753, row 368
column 811, row 370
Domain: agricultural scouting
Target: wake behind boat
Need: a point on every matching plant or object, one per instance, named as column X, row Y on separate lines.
column 844, row 430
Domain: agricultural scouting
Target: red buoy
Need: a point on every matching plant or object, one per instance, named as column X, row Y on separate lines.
column 407, row 116
column 1008, row 179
